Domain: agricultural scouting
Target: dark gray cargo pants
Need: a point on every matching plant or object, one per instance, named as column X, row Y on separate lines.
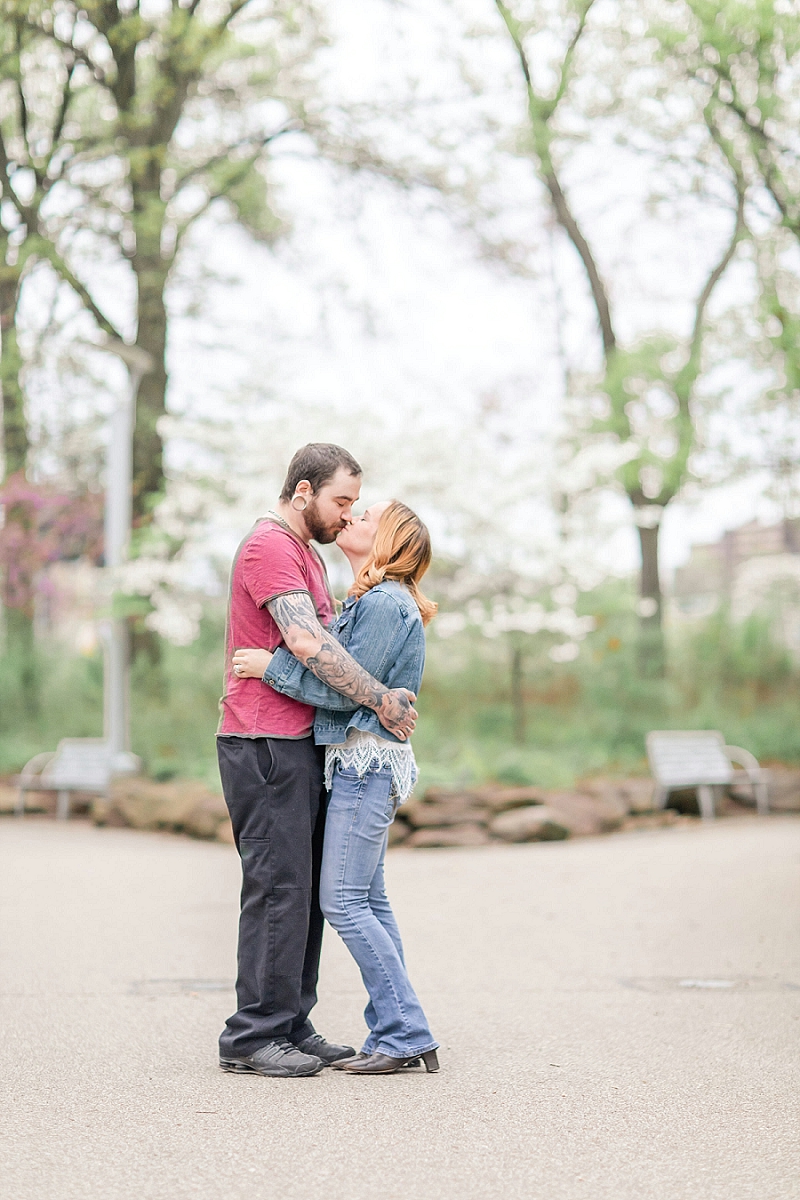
column 274, row 792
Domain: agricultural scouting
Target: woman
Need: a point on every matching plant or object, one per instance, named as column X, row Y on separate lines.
column 368, row 771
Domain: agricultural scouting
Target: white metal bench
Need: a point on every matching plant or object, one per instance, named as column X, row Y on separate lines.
column 77, row 765
column 699, row 758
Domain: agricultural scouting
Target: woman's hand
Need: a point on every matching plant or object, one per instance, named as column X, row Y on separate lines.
column 251, row 664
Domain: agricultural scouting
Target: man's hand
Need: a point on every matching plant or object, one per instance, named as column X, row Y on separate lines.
column 396, row 713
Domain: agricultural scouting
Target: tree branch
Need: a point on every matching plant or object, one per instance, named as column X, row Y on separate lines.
column 540, row 112
column 292, row 126
column 234, row 11
column 739, row 230
column 46, row 250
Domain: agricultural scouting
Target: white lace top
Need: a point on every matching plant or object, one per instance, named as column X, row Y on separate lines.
column 360, row 751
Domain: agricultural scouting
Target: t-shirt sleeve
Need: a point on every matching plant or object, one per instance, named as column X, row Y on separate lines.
column 272, row 566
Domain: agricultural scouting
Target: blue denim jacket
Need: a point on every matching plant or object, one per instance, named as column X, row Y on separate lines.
column 383, row 632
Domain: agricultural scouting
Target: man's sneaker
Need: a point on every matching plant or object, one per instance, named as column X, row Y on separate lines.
column 329, row 1053
column 279, row 1058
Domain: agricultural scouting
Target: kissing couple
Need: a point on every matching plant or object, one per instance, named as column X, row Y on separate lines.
column 314, row 758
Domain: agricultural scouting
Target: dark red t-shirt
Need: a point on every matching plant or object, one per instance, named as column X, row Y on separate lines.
column 269, row 562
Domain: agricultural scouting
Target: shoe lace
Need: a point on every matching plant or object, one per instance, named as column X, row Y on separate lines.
column 283, row 1044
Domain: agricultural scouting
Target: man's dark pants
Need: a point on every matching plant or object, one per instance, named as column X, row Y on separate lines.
column 274, row 792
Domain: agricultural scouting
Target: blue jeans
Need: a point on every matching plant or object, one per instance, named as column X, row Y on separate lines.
column 353, row 899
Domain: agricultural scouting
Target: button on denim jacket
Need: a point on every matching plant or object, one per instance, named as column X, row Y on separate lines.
column 383, row 632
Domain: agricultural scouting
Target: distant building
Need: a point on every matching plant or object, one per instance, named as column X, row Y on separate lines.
column 755, row 568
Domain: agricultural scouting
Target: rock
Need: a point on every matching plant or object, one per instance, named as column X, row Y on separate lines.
column 619, row 796
column 458, row 835
column 225, row 833
column 398, row 832
column 638, row 794
column 183, row 806
column 784, row 790
column 501, row 799
column 457, row 810
column 443, row 795
column 659, row 819
column 8, row 799
column 206, row 817
column 635, row 795
column 583, row 816
column 607, row 809
column 105, row 812
column 538, row 823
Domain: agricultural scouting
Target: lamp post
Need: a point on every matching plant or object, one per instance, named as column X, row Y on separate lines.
column 117, row 531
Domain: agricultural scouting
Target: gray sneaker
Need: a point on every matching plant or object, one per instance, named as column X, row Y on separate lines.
column 279, row 1058
column 329, row 1052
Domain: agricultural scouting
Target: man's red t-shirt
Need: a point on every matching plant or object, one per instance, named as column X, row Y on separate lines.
column 270, row 562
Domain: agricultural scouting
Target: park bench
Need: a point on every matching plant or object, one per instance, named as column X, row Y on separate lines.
column 700, row 759
column 77, row 765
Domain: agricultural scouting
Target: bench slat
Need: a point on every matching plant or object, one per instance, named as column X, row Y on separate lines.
column 82, row 764
column 688, row 759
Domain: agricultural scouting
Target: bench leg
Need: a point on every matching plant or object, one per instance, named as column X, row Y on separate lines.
column 19, row 807
column 705, row 796
column 761, row 790
column 62, row 806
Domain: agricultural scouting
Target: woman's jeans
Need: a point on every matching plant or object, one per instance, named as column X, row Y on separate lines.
column 353, row 899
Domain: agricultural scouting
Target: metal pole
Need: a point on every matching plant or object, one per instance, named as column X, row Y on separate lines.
column 117, row 531
column 117, row 535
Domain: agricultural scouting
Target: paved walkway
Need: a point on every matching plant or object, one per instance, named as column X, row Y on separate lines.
column 618, row 1018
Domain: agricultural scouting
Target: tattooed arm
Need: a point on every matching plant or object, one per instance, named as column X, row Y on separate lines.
column 318, row 650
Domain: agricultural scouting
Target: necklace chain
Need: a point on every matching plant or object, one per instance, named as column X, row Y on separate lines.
column 271, row 513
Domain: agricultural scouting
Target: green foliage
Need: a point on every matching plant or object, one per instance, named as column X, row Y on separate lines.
column 173, row 708
column 588, row 717
column 592, row 715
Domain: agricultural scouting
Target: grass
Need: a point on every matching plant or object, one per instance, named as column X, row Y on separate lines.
column 587, row 717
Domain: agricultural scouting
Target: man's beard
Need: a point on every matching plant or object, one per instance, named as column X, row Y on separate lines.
column 320, row 532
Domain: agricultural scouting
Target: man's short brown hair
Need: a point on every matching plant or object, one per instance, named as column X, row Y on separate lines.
column 317, row 462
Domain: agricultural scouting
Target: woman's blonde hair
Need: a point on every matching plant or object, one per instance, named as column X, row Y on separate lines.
column 402, row 551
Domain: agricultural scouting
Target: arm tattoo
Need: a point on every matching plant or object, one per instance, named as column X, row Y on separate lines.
column 294, row 612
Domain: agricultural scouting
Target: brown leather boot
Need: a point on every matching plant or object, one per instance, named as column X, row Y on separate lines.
column 384, row 1064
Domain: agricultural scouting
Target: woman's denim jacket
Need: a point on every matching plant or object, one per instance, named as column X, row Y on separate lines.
column 383, row 632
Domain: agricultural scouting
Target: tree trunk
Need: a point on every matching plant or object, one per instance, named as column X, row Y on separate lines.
column 517, row 695
column 151, row 270
column 148, row 448
column 651, row 636
column 15, row 433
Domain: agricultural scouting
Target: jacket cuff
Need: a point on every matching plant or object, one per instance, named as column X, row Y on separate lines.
column 280, row 667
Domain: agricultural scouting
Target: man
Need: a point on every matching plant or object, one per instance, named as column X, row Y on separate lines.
column 272, row 772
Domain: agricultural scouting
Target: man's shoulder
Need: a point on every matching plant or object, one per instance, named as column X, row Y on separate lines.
column 268, row 535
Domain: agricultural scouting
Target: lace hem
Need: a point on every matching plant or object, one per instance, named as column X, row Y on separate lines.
column 361, row 750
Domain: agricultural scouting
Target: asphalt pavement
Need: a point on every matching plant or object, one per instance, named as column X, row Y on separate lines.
column 619, row 1020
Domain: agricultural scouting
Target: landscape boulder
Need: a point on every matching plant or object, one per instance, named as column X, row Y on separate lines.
column 8, row 799
column 537, row 823
column 453, row 835
column 784, row 790
column 182, row 806
column 500, row 799
column 456, row 809
column 398, row 832
column 582, row 815
column 620, row 796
